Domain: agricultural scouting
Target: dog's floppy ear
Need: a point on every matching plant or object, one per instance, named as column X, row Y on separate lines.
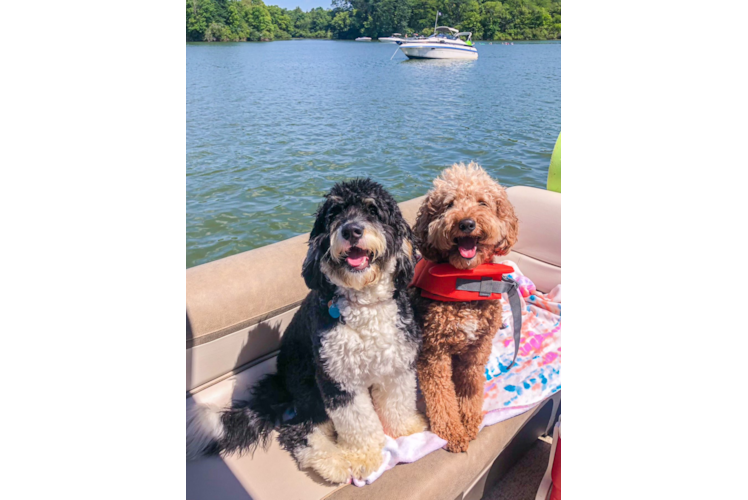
column 319, row 244
column 405, row 263
column 426, row 213
column 509, row 222
column 310, row 270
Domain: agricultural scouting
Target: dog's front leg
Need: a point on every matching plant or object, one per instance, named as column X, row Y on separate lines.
column 435, row 377
column 469, row 380
column 360, row 433
column 395, row 401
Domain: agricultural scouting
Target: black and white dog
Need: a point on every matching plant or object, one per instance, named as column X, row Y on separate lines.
column 346, row 369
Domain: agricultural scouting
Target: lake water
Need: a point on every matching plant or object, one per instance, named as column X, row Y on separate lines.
column 272, row 126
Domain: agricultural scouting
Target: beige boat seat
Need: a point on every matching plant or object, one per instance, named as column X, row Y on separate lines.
column 237, row 310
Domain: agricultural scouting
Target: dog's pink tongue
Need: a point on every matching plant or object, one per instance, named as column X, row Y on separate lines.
column 467, row 247
column 356, row 257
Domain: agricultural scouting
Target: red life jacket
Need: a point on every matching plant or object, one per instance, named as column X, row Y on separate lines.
column 446, row 283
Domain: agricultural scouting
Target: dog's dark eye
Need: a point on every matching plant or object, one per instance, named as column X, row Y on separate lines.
column 483, row 203
column 451, row 204
column 373, row 210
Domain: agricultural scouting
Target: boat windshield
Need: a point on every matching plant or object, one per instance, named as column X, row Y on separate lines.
column 446, row 33
column 444, row 29
column 442, row 36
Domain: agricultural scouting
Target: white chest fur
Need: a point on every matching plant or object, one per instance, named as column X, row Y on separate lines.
column 368, row 346
column 469, row 327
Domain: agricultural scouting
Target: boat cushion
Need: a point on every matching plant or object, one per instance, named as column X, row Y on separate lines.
column 237, row 310
column 272, row 474
column 539, row 214
column 442, row 475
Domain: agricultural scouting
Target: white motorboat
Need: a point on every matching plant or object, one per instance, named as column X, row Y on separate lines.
column 396, row 37
column 445, row 43
column 363, row 39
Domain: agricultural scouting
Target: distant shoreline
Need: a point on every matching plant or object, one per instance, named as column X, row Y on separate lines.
column 497, row 42
column 235, row 21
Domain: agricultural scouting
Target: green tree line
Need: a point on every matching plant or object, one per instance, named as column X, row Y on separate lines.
column 252, row 20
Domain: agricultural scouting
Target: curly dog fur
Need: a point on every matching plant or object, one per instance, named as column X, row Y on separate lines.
column 465, row 220
column 343, row 381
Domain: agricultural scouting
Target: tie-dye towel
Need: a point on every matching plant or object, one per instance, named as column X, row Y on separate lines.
column 535, row 376
column 537, row 373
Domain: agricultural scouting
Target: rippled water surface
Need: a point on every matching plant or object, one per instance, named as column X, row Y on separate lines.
column 271, row 127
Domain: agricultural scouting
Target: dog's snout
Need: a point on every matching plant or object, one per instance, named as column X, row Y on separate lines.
column 467, row 225
column 352, row 231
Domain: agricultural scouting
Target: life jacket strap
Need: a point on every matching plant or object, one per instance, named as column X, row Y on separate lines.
column 509, row 286
column 487, row 286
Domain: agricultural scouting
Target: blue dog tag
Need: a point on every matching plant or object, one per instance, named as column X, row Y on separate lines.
column 289, row 414
column 332, row 308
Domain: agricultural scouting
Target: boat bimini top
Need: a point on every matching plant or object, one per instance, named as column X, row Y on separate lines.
column 451, row 34
column 444, row 29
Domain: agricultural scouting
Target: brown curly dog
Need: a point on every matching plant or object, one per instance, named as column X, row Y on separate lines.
column 465, row 220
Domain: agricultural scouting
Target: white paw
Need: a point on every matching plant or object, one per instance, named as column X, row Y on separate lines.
column 364, row 461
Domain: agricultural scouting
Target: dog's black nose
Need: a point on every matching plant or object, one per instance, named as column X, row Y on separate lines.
column 467, row 225
column 352, row 231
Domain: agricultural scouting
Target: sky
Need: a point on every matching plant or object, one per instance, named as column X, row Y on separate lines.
column 305, row 5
